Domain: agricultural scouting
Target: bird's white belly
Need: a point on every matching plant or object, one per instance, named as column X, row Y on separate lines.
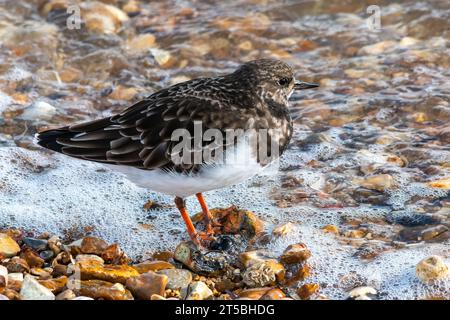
column 182, row 185
column 235, row 169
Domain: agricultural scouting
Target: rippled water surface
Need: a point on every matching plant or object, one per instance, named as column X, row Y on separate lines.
column 371, row 152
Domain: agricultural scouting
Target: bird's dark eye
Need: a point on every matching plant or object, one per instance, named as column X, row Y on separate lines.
column 284, row 81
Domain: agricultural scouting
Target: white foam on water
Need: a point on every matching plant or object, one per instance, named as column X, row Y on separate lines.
column 5, row 101
column 16, row 74
column 53, row 193
column 74, row 194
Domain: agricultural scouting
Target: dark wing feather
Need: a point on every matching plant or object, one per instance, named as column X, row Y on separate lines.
column 140, row 135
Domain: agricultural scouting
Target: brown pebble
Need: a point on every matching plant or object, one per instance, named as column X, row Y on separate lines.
column 283, row 230
column 152, row 266
column 253, row 257
column 114, row 255
column 163, row 255
column 93, row 245
column 254, row 293
column 41, row 273
column 17, row 264
column 273, row 294
column 99, row 289
column 59, row 270
column 54, row 243
column 295, row 253
column 66, row 295
column 11, row 294
column 62, row 258
column 147, row 284
column 226, row 285
column 302, row 273
column 8, row 246
column 55, row 285
column 307, row 290
column 331, row 228
column 111, row 273
column 32, row 258
column 15, row 283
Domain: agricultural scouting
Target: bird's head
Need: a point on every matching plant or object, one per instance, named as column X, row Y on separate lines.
column 273, row 79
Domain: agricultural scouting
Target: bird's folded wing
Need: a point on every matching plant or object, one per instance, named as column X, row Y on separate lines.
column 141, row 136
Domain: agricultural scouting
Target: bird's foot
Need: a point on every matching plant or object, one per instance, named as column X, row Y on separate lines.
column 204, row 239
column 213, row 227
column 207, row 241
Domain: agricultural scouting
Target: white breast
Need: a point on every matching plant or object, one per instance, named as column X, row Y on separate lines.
column 237, row 168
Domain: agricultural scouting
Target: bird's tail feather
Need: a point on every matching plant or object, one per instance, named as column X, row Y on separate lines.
column 88, row 140
column 48, row 139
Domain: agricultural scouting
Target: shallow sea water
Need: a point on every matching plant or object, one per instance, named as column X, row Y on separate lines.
column 382, row 111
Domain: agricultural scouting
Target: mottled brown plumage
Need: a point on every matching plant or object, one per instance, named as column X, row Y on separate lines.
column 140, row 136
column 140, row 140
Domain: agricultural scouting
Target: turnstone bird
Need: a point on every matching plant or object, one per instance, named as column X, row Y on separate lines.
column 143, row 141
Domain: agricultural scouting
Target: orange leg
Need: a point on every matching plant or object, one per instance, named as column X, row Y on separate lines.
column 207, row 216
column 179, row 202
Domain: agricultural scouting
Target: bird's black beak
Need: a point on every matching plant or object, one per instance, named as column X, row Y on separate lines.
column 300, row 85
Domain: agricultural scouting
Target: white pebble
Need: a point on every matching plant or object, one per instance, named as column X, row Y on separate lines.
column 39, row 110
column 360, row 293
column 33, row 290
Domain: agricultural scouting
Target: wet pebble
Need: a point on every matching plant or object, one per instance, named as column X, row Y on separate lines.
column 302, row 273
column 254, row 293
column 123, row 93
column 253, row 257
column 89, row 259
column 235, row 221
column 98, row 289
column 141, row 43
column 263, row 274
column 152, row 266
column 273, row 294
column 213, row 263
column 380, row 182
column 199, row 291
column 15, row 281
column 330, row 228
column 54, row 244
column 283, row 230
column 40, row 273
column 66, row 295
column 32, row 258
column 162, row 57
column 11, row 294
column 39, row 111
column 377, row 48
column 441, row 183
column 33, row 290
column 17, row 264
column 114, row 255
column 8, row 247
column 295, row 253
column 431, row 268
column 46, row 255
column 307, row 290
column 177, row 278
column 55, row 285
column 102, row 18
column 93, row 245
column 362, row 293
column 147, row 284
column 111, row 273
